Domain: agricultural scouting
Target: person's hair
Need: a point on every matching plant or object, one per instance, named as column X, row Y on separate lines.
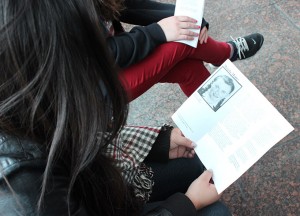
column 110, row 9
column 59, row 87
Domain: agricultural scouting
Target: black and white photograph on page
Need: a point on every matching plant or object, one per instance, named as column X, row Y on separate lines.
column 218, row 89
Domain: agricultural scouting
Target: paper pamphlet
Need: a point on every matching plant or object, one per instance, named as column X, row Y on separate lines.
column 193, row 9
column 232, row 124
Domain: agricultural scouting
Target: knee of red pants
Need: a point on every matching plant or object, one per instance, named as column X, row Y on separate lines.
column 189, row 74
column 189, row 88
column 140, row 77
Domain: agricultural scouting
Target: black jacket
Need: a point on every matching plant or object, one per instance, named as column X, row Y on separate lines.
column 130, row 47
column 22, row 163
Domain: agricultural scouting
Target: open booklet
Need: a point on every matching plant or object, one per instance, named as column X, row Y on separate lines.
column 232, row 124
column 193, row 9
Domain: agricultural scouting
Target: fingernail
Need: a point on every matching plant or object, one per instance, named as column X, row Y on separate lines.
column 194, row 144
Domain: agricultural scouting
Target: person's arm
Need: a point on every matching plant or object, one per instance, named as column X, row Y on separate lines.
column 170, row 144
column 156, row 144
column 176, row 205
column 160, row 149
column 200, row 194
column 148, row 12
column 20, row 191
column 130, row 47
column 145, row 12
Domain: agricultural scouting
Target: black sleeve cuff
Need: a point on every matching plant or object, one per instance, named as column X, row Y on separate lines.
column 161, row 146
column 204, row 23
column 179, row 205
column 156, row 33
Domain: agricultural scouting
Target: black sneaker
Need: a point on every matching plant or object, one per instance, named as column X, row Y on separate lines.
column 245, row 47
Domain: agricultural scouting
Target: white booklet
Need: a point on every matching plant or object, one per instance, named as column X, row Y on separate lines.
column 232, row 124
column 193, row 9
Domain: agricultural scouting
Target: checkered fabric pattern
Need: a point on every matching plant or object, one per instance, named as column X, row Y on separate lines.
column 129, row 150
column 131, row 147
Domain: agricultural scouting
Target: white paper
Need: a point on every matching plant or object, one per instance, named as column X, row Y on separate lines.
column 233, row 135
column 193, row 9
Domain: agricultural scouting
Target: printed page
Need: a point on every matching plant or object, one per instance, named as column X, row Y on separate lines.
column 231, row 122
column 193, row 9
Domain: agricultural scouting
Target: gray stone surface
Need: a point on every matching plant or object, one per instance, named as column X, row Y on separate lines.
column 272, row 185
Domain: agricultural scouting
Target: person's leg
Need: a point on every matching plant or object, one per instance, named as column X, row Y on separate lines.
column 174, row 176
column 139, row 77
column 215, row 52
column 184, row 74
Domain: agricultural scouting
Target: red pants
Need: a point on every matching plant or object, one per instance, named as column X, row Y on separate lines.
column 174, row 63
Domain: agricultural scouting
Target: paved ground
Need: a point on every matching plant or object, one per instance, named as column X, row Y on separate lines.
column 272, row 185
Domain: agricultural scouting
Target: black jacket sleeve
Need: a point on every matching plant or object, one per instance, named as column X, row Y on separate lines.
column 145, row 12
column 26, row 190
column 130, row 47
column 161, row 146
column 22, row 168
column 176, row 205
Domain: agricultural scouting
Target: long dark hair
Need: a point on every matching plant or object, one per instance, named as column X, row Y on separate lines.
column 110, row 9
column 59, row 87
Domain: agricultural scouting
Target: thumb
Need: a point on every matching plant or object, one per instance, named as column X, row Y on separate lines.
column 206, row 175
column 179, row 139
column 183, row 141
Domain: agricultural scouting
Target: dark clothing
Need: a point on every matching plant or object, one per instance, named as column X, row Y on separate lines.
column 22, row 165
column 130, row 47
column 176, row 176
column 215, row 209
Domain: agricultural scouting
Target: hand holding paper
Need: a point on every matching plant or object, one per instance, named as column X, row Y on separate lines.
column 201, row 192
column 179, row 28
column 180, row 146
column 194, row 9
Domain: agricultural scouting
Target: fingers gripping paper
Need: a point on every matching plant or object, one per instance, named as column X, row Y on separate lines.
column 193, row 9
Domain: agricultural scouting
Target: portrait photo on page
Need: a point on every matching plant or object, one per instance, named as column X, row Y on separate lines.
column 218, row 89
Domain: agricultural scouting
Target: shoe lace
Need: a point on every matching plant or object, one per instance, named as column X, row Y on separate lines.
column 241, row 45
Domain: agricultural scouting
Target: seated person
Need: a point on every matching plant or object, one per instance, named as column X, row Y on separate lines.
column 147, row 54
column 59, row 126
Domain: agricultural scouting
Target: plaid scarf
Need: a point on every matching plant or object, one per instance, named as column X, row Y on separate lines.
column 129, row 149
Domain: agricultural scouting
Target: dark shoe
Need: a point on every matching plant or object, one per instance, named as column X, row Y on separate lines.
column 245, row 47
